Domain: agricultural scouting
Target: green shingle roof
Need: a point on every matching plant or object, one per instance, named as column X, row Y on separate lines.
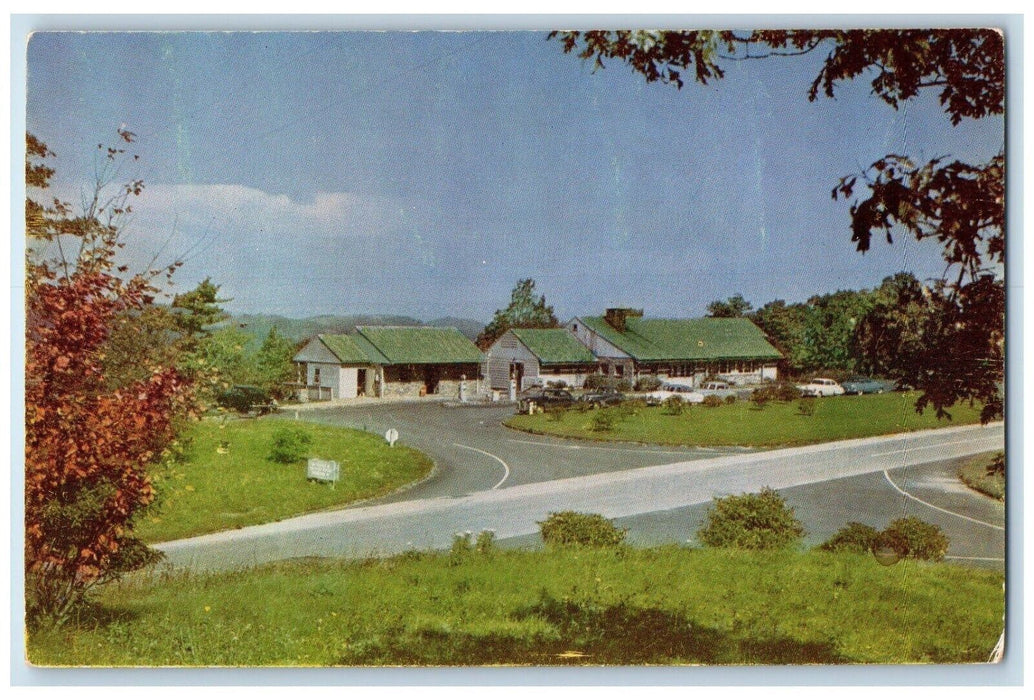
column 554, row 346
column 375, row 355
column 686, row 339
column 416, row 345
column 345, row 349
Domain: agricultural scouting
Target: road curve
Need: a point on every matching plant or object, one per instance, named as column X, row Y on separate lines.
column 431, row 523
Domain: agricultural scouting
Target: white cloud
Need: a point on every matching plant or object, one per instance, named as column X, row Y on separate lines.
column 242, row 209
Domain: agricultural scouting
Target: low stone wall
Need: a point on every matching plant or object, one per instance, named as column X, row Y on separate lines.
column 449, row 388
column 396, row 389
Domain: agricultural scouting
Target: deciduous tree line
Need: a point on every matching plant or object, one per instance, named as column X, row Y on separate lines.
column 960, row 205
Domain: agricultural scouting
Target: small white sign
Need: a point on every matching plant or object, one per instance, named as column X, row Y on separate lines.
column 323, row 470
column 391, row 436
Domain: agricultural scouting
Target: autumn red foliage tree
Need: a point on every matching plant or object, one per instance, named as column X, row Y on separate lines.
column 88, row 445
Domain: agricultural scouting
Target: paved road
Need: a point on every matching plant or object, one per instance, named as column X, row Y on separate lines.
column 474, row 452
column 974, row 524
column 428, row 523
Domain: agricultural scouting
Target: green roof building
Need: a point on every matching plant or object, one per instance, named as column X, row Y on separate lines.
column 388, row 361
column 628, row 345
column 533, row 356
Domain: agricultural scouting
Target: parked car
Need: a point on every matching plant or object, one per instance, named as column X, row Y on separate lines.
column 719, row 389
column 863, row 385
column 686, row 393
column 545, row 398
column 821, row 386
column 603, row 397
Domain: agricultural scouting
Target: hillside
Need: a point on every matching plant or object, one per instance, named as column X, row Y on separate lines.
column 467, row 326
column 258, row 325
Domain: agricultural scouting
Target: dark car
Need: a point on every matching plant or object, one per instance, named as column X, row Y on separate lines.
column 863, row 385
column 545, row 398
column 603, row 397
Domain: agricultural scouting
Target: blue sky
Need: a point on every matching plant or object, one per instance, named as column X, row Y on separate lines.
column 425, row 173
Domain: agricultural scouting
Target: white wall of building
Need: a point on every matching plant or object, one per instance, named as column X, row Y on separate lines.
column 348, row 383
column 593, row 340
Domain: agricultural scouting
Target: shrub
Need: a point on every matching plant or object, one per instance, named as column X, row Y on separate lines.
column 596, row 382
column 674, row 405
column 997, row 465
column 712, row 401
column 751, row 521
column 806, row 406
column 241, row 398
column 785, row 391
column 915, row 538
column 603, row 421
column 648, row 383
column 585, row 529
column 730, row 399
column 627, row 409
column 461, row 544
column 623, row 385
column 556, row 413
column 290, row 444
column 557, row 384
column 853, row 537
column 760, row 397
column 485, row 542
column 782, row 391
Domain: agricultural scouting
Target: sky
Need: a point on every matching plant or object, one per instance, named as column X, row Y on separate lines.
column 424, row 173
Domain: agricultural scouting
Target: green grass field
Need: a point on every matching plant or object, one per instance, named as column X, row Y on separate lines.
column 974, row 474
column 776, row 425
column 208, row 491
column 666, row 605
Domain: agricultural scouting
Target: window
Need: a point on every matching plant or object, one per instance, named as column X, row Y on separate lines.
column 316, row 376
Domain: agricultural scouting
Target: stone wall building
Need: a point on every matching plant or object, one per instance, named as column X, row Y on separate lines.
column 629, row 346
column 387, row 361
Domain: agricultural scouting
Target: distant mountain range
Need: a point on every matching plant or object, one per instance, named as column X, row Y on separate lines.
column 299, row 329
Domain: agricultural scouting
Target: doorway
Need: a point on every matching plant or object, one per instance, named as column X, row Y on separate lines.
column 517, row 372
column 432, row 375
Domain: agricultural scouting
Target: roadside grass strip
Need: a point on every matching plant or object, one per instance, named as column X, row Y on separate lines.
column 225, row 479
column 744, row 424
column 665, row 605
column 974, row 474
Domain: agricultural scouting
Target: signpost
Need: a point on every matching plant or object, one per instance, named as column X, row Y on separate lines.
column 325, row 470
column 391, row 436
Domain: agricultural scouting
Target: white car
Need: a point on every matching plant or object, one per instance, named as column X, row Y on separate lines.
column 686, row 393
column 820, row 386
column 719, row 389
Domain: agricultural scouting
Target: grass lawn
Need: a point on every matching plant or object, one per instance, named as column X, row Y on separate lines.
column 667, row 605
column 208, row 491
column 974, row 474
column 741, row 423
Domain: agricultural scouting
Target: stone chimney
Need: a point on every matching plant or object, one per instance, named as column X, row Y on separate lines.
column 616, row 317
